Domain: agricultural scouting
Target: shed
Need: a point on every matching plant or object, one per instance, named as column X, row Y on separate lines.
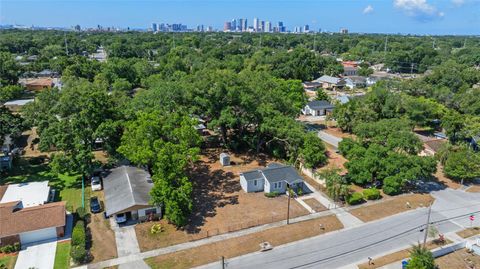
column 224, row 159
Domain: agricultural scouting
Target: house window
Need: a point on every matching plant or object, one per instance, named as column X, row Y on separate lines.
column 151, row 211
column 275, row 185
column 279, row 185
column 255, row 182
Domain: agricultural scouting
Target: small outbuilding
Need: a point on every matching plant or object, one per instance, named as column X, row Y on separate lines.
column 224, row 159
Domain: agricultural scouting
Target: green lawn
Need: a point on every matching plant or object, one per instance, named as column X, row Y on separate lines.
column 33, row 169
column 8, row 262
column 62, row 256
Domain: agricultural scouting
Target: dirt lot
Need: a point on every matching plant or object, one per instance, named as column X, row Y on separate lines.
column 444, row 180
column 335, row 160
column 473, row 188
column 245, row 244
column 397, row 256
column 220, row 205
column 391, row 206
column 103, row 238
column 458, row 259
column 335, row 131
column 315, row 204
column 469, row 232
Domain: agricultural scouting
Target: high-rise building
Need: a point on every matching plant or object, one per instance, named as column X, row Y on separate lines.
column 297, row 29
column 344, row 31
column 154, row 27
column 233, row 25
column 281, row 28
column 77, row 28
column 227, row 26
column 306, row 28
column 244, row 26
column 262, row 26
column 255, row 24
column 239, row 25
column 268, row 27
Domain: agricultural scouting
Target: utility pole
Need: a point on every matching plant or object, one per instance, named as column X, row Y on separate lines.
column 223, row 262
column 288, row 204
column 428, row 224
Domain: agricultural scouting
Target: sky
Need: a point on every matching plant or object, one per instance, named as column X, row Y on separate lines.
column 459, row 17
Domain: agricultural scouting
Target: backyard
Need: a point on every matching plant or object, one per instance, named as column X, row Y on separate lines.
column 220, row 205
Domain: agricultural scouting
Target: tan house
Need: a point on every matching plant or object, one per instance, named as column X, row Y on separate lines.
column 38, row 84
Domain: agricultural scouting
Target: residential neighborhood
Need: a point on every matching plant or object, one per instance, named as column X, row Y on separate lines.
column 252, row 146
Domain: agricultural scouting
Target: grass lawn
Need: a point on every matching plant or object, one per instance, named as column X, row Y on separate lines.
column 8, row 261
column 62, row 256
column 34, row 169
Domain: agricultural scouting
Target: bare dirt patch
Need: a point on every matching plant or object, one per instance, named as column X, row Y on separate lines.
column 473, row 188
column 103, row 237
column 245, row 244
column 440, row 176
column 220, row 205
column 399, row 255
column 469, row 232
column 392, row 206
column 335, row 131
column 335, row 160
column 458, row 259
column 315, row 204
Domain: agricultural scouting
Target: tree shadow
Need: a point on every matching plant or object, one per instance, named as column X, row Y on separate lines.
column 211, row 190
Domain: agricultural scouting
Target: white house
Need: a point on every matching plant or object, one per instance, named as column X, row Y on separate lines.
column 274, row 178
column 127, row 190
column 318, row 108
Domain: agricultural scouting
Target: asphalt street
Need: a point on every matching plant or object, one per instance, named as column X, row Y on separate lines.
column 355, row 245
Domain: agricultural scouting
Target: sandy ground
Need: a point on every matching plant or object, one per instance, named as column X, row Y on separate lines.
column 473, row 188
column 103, row 238
column 335, row 131
column 245, row 244
column 458, row 259
column 335, row 160
column 445, row 180
column 469, row 232
column 391, row 206
column 220, row 205
column 315, row 204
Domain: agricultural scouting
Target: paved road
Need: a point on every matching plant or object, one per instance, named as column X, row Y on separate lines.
column 329, row 139
column 354, row 245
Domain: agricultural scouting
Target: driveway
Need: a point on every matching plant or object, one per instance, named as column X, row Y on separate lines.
column 37, row 255
column 329, row 139
column 127, row 244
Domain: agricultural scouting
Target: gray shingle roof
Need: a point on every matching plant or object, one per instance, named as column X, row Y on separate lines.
column 320, row 104
column 126, row 186
column 274, row 172
column 328, row 79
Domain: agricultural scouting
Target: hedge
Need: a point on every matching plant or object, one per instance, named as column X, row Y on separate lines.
column 371, row 194
column 78, row 234
column 355, row 198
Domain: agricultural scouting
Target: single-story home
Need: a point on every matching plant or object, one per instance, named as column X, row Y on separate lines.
column 353, row 81
column 273, row 178
column 37, row 84
column 17, row 105
column 311, row 86
column 318, row 108
column 329, row 82
column 26, row 216
column 349, row 71
column 127, row 190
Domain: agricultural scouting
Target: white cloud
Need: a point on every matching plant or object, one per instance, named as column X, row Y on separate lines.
column 368, row 9
column 458, row 2
column 419, row 9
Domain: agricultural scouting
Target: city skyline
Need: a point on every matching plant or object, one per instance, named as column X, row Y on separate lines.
column 397, row 16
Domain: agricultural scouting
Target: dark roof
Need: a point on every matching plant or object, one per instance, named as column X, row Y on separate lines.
column 126, row 187
column 274, row 172
column 15, row 220
column 320, row 104
column 436, row 144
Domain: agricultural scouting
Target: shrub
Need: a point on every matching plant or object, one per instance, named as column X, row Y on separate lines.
column 81, row 213
column 392, row 185
column 78, row 254
column 355, row 198
column 156, row 228
column 10, row 248
column 272, row 194
column 78, row 234
column 371, row 194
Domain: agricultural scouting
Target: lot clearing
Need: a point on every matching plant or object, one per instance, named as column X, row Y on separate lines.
column 391, row 206
column 245, row 244
column 220, row 205
column 458, row 259
column 469, row 232
column 103, row 238
column 398, row 256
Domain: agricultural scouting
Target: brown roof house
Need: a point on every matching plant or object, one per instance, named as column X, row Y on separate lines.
column 26, row 216
column 38, row 84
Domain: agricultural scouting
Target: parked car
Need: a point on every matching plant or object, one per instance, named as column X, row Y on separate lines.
column 96, row 184
column 120, row 218
column 95, row 206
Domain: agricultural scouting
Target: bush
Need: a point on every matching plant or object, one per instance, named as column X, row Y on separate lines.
column 355, row 198
column 78, row 254
column 156, row 228
column 371, row 194
column 81, row 213
column 392, row 185
column 272, row 194
column 10, row 248
column 78, row 234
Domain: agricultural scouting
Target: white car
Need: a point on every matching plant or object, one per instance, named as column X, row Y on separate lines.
column 120, row 218
column 96, row 184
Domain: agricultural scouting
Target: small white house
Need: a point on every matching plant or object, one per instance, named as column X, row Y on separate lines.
column 318, row 108
column 274, row 178
column 224, row 159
